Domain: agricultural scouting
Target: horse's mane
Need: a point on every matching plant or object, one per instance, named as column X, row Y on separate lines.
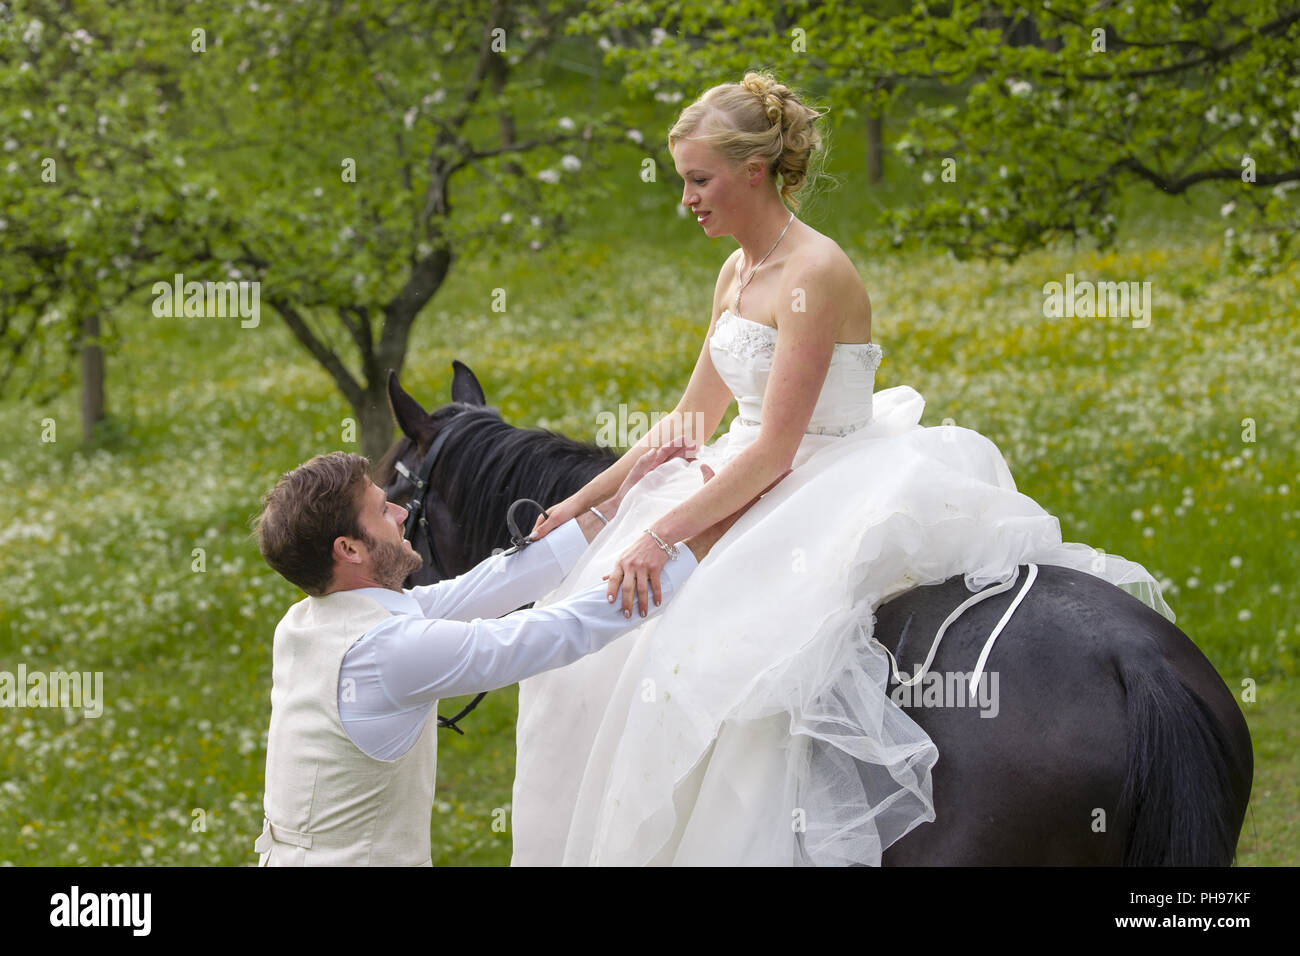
column 486, row 464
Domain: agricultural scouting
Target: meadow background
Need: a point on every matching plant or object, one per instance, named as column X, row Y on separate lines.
column 1135, row 438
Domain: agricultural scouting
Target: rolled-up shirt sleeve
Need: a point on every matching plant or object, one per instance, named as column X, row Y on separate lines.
column 420, row 660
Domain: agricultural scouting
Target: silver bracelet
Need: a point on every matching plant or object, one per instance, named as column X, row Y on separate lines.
column 599, row 515
column 669, row 549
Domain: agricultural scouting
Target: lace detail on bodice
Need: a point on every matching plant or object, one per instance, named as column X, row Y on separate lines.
column 749, row 339
column 743, row 359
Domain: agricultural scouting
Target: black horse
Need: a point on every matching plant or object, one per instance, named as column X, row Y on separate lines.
column 1118, row 743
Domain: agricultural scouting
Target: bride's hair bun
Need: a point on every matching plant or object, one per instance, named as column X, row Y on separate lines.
column 757, row 117
column 770, row 92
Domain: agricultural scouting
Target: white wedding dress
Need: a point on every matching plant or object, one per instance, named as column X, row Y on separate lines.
column 748, row 722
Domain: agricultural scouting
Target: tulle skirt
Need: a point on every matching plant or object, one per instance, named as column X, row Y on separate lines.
column 748, row 723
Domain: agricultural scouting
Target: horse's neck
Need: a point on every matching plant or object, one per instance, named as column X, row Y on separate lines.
column 550, row 473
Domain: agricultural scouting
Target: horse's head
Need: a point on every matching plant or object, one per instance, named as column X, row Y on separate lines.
column 458, row 469
column 408, row 469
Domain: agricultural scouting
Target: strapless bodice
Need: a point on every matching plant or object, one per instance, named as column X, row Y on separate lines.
column 742, row 352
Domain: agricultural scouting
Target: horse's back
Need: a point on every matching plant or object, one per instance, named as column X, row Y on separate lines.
column 1031, row 771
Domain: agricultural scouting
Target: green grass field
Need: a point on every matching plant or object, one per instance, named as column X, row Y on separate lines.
column 1133, row 437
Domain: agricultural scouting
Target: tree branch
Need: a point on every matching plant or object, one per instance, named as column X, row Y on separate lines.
column 1212, row 54
column 1176, row 186
column 349, row 386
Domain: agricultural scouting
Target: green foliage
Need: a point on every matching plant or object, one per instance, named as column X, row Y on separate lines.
column 341, row 156
column 87, row 197
column 1029, row 142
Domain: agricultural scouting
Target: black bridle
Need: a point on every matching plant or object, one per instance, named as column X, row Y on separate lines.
column 417, row 524
column 417, row 527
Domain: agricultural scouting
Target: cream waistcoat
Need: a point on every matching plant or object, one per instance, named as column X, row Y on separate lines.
column 327, row 803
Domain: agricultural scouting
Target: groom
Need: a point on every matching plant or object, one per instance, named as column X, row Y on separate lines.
column 358, row 665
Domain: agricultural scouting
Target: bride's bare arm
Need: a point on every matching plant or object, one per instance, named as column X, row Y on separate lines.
column 604, row 485
column 697, row 416
column 805, row 345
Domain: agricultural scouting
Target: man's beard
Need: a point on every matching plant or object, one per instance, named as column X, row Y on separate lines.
column 391, row 563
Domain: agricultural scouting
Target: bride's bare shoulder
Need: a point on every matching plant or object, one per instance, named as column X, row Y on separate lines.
column 823, row 255
column 820, row 259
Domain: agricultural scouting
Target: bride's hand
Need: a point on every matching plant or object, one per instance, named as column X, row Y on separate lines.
column 571, row 507
column 681, row 445
column 555, row 516
column 638, row 568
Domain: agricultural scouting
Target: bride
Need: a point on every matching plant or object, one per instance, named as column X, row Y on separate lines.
column 748, row 723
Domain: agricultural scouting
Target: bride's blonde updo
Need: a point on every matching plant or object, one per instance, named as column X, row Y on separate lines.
column 757, row 117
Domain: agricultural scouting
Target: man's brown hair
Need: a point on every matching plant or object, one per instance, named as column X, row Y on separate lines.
column 306, row 510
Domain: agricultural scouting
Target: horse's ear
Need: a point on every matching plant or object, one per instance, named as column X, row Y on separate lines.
column 464, row 385
column 410, row 415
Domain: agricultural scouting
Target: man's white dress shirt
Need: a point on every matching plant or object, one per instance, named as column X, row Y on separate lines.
column 448, row 639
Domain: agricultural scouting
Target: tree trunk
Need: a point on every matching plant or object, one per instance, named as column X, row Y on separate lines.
column 875, row 148
column 92, row 377
column 375, row 419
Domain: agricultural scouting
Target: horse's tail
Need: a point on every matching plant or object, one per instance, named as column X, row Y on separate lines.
column 1178, row 795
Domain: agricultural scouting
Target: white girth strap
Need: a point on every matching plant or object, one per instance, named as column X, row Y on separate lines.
column 957, row 612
